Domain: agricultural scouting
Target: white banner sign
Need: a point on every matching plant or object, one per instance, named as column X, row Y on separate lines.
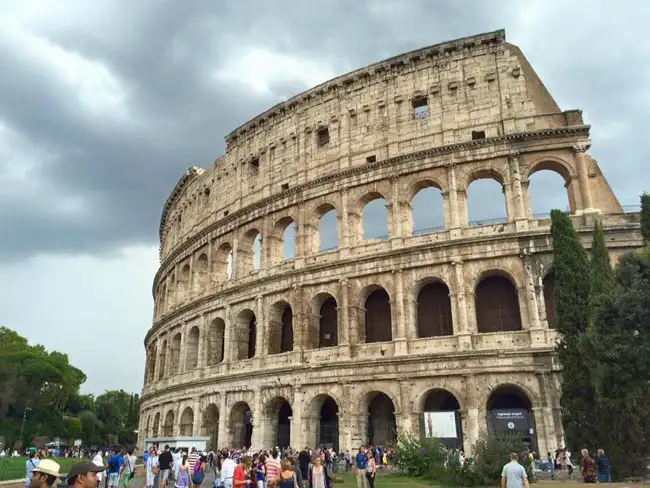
column 440, row 425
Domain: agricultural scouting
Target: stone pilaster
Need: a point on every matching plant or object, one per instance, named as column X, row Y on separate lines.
column 461, row 324
column 224, row 415
column 344, row 314
column 454, row 222
column 261, row 331
column 519, row 211
column 579, row 150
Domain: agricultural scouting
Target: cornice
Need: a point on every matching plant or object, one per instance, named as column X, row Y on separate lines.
column 189, row 175
column 582, row 130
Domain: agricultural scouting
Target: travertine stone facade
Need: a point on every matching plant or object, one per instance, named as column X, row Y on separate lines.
column 351, row 344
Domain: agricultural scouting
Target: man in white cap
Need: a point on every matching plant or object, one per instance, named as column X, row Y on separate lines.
column 45, row 474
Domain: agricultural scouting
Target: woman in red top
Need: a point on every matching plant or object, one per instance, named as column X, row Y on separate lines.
column 241, row 476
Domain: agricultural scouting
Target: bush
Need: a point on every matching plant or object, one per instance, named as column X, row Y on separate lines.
column 431, row 459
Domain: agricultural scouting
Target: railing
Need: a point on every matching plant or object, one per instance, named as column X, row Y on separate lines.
column 476, row 223
column 428, row 230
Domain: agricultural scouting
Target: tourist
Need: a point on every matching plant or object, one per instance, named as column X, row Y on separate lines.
column 114, row 467
column 604, row 467
column 30, row 465
column 318, row 476
column 198, row 471
column 98, row 461
column 360, row 464
column 183, row 475
column 45, row 474
column 151, row 468
column 84, row 475
column 177, row 458
column 228, row 467
column 165, row 461
column 371, row 470
column 588, row 468
column 287, row 477
column 128, row 468
column 241, row 476
column 272, row 467
column 260, row 471
column 514, row 474
column 303, row 461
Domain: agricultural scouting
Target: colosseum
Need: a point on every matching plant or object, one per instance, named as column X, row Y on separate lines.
column 281, row 321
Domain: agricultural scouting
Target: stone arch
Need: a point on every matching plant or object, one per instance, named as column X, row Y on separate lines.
column 215, row 342
column 434, row 315
column 473, row 209
column 278, row 416
column 156, row 425
column 201, row 273
column 168, row 426
column 241, row 425
column 548, row 285
column 509, row 411
column 377, row 324
column 249, row 252
column 282, row 244
column 175, row 356
column 378, row 409
column 322, row 421
column 559, row 167
column 428, row 207
column 280, row 328
column 440, row 407
column 162, row 361
column 323, row 232
column 245, row 335
column 183, row 286
column 222, row 266
column 210, row 426
column 192, row 348
column 323, row 323
column 187, row 423
column 375, row 218
column 497, row 303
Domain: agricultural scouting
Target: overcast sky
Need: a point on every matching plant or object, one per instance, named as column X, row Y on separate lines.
column 104, row 104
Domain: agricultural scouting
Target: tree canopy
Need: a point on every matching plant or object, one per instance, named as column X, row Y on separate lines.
column 43, row 387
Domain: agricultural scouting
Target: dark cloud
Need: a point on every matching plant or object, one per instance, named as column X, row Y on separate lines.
column 103, row 173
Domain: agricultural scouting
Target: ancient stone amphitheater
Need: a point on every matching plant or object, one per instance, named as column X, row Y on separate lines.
column 264, row 334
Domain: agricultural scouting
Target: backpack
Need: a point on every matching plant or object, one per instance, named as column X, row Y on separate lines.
column 197, row 467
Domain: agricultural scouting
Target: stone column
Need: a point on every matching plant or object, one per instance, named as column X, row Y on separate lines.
column 261, row 332
column 541, row 431
column 399, row 328
column 343, row 225
column 301, row 238
column 531, row 299
column 183, row 352
column 224, row 415
column 454, row 223
column 461, row 325
column 473, row 417
column 196, row 427
column 227, row 336
column 203, row 338
column 258, row 422
column 396, row 227
column 517, row 193
column 344, row 315
column 297, row 440
column 579, row 149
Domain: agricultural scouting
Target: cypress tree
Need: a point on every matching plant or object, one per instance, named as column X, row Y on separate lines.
column 573, row 311
column 602, row 274
column 645, row 218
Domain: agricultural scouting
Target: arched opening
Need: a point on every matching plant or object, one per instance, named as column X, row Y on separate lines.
column 548, row 284
column 382, row 426
column 510, row 416
column 289, row 242
column 192, row 349
column 323, row 326
column 245, row 336
column 210, row 426
column 280, row 328
column 278, row 415
column 323, row 428
column 378, row 325
column 326, row 234
column 375, row 217
column 201, row 273
column 216, row 342
column 441, row 418
column 151, row 363
column 427, row 209
column 241, row 426
column 156, row 426
column 434, row 310
column 187, row 423
column 222, row 263
column 162, row 362
column 249, row 252
column 486, row 202
column 497, row 305
column 283, row 241
column 168, row 426
column 257, row 252
column 184, row 284
column 544, row 183
column 175, row 358
column 147, row 429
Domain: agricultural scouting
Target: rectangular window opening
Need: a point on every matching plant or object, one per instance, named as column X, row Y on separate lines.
column 371, row 159
column 255, row 163
column 421, row 108
column 478, row 134
column 225, row 214
column 323, row 136
column 285, row 186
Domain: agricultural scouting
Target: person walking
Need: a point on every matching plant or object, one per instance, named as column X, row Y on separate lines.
column 360, row 465
column 514, row 474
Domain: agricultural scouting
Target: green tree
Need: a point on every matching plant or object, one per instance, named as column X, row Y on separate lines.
column 602, row 274
column 622, row 368
column 572, row 301
column 645, row 218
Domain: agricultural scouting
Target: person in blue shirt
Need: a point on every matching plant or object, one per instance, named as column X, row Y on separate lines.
column 114, row 466
column 604, row 467
column 360, row 465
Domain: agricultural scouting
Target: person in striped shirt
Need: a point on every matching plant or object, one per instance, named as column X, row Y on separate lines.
column 192, row 459
column 272, row 467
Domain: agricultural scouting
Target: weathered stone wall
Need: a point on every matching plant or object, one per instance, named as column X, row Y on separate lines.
column 232, row 335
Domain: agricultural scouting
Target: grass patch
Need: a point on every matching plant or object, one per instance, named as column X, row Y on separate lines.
column 384, row 481
column 15, row 468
